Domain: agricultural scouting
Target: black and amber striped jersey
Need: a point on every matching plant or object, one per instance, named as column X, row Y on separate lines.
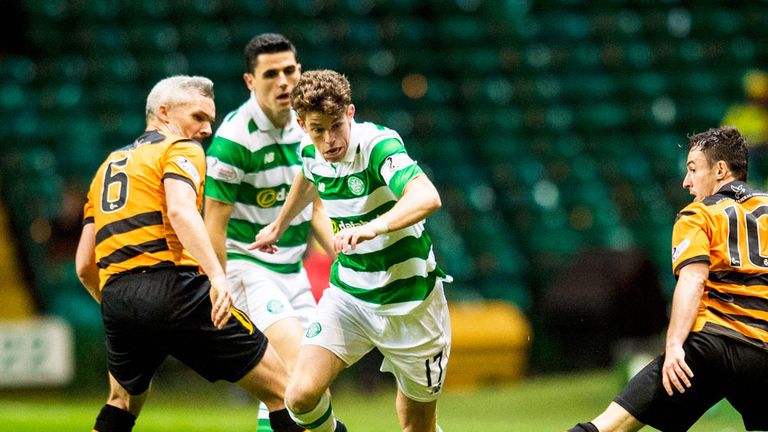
column 126, row 202
column 728, row 230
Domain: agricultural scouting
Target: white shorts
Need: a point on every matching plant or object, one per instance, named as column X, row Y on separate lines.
column 267, row 296
column 415, row 347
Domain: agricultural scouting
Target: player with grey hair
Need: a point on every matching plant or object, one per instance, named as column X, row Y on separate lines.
column 140, row 253
column 176, row 89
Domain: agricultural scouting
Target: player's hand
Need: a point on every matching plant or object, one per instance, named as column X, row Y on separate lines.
column 348, row 238
column 221, row 301
column 675, row 373
column 266, row 239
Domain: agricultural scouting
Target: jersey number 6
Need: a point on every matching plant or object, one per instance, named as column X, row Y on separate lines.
column 114, row 180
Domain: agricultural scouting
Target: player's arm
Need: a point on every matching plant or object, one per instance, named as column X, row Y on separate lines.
column 322, row 229
column 301, row 194
column 685, row 304
column 217, row 214
column 419, row 200
column 190, row 228
column 85, row 261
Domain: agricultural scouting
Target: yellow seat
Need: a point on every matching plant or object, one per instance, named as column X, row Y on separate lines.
column 490, row 344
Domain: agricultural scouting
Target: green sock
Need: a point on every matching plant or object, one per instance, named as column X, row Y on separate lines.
column 264, row 425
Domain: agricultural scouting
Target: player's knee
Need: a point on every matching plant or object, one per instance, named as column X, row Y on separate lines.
column 301, row 398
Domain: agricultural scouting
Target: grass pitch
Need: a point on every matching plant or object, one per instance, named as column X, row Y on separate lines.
column 552, row 403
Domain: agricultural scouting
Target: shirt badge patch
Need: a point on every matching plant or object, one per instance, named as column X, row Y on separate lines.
column 221, row 171
column 397, row 161
column 680, row 248
column 188, row 168
column 356, row 185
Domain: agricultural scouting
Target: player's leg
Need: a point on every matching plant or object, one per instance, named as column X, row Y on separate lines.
column 416, row 349
column 745, row 376
column 133, row 353
column 121, row 410
column 416, row 416
column 120, row 398
column 239, row 352
column 267, row 382
column 278, row 304
column 616, row 419
column 334, row 341
column 644, row 401
column 285, row 335
column 307, row 397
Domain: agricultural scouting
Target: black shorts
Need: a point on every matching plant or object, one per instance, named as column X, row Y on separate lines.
column 150, row 315
column 722, row 368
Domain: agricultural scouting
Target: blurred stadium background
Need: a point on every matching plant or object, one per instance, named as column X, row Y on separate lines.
column 551, row 129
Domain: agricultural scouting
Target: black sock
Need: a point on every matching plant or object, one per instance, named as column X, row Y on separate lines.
column 114, row 419
column 282, row 422
column 584, row 427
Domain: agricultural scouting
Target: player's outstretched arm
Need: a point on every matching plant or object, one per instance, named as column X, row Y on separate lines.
column 420, row 199
column 685, row 305
column 189, row 227
column 217, row 214
column 301, row 194
column 85, row 261
column 322, row 228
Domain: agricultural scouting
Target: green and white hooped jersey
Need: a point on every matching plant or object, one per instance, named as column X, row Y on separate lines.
column 394, row 272
column 252, row 164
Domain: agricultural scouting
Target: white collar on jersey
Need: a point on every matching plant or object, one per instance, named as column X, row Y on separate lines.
column 261, row 119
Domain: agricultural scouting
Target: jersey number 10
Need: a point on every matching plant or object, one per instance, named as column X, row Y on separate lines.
column 752, row 235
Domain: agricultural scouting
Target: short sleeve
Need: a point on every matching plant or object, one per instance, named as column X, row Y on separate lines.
column 226, row 164
column 185, row 161
column 88, row 210
column 307, row 153
column 393, row 164
column 690, row 239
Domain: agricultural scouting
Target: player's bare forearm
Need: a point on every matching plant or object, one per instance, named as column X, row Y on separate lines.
column 675, row 373
column 322, row 229
column 189, row 226
column 85, row 262
column 420, row 199
column 685, row 302
column 217, row 215
column 301, row 194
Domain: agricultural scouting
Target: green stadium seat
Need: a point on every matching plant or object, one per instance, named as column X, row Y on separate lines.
column 55, row 10
column 567, row 26
column 12, row 97
column 646, row 84
column 608, row 115
column 97, row 10
column 461, row 30
column 405, row 31
column 21, row 70
column 197, row 34
column 148, row 9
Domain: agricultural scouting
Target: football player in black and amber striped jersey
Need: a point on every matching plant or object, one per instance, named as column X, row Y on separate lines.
column 140, row 254
column 717, row 340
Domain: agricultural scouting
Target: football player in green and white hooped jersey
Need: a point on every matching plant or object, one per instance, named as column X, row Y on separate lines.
column 386, row 288
column 251, row 163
